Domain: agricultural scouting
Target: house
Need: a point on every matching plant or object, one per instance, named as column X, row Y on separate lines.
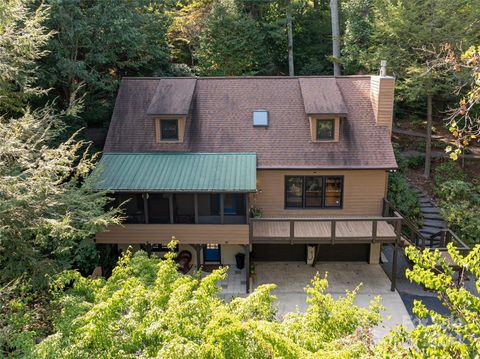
column 308, row 156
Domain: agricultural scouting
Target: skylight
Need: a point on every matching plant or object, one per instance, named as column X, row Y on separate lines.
column 260, row 118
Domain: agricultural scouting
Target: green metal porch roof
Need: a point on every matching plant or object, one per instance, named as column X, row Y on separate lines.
column 178, row 172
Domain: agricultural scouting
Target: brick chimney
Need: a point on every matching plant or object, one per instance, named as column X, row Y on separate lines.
column 382, row 89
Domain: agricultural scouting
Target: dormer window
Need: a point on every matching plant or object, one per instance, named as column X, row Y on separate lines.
column 170, row 130
column 325, row 129
column 260, row 118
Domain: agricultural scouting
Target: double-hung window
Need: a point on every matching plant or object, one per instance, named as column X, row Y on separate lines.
column 313, row 191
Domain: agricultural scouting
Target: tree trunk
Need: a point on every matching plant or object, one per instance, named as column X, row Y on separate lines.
column 335, row 37
column 315, row 4
column 428, row 142
column 290, row 39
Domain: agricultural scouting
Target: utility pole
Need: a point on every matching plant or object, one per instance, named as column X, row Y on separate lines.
column 335, row 37
column 291, row 71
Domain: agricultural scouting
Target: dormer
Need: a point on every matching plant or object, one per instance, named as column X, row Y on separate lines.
column 170, row 108
column 325, row 108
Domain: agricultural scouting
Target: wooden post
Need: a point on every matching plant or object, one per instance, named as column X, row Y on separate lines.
column 374, row 230
column 292, row 231
column 145, row 206
column 222, row 209
column 197, row 251
column 247, row 267
column 333, row 229
column 394, row 266
column 250, row 222
column 195, row 205
column 170, row 206
column 317, row 250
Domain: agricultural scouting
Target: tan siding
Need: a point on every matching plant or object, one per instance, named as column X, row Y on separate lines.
column 364, row 191
column 382, row 91
column 185, row 233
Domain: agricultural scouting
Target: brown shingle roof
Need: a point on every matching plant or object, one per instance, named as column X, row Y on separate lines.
column 221, row 121
column 172, row 97
column 321, row 95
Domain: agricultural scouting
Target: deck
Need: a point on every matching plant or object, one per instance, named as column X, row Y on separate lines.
column 324, row 230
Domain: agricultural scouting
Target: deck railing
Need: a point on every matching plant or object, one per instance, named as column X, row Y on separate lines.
column 378, row 232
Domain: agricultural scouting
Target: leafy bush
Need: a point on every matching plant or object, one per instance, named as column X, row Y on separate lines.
column 416, row 161
column 402, row 196
column 452, row 335
column 25, row 316
column 147, row 309
column 460, row 205
column 448, row 171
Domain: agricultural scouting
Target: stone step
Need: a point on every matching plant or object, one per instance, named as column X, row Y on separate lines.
column 428, row 231
column 437, row 223
column 429, row 210
column 433, row 216
column 425, row 201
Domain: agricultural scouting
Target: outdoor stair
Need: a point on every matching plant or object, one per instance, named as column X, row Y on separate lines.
column 432, row 220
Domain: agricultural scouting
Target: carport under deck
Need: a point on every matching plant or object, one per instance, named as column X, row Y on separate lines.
column 331, row 231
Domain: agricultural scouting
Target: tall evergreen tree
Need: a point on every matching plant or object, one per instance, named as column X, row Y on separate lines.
column 22, row 37
column 231, row 43
column 96, row 43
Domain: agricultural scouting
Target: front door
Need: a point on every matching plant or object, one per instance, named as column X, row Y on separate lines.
column 211, row 253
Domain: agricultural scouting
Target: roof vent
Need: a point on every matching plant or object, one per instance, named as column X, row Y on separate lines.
column 260, row 118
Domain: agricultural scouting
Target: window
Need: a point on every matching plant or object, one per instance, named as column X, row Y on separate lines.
column 294, row 191
column 333, row 192
column 169, row 130
column 313, row 191
column 260, row 118
column 325, row 129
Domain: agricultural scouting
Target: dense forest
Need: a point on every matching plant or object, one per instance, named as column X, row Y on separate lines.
column 61, row 63
column 94, row 43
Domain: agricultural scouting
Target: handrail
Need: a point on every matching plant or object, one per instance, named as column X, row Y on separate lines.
column 326, row 219
column 417, row 234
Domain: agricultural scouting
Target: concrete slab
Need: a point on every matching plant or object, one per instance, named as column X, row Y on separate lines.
column 292, row 277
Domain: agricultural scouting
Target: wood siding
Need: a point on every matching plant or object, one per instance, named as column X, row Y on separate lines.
column 363, row 193
column 382, row 90
column 184, row 233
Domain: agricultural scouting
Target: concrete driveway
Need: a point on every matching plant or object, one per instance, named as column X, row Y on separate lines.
column 292, row 277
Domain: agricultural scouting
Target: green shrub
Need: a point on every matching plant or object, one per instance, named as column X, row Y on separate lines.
column 403, row 197
column 448, row 171
column 416, row 161
column 460, row 206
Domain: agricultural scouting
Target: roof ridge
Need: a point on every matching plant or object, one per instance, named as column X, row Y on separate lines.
column 178, row 153
column 130, row 78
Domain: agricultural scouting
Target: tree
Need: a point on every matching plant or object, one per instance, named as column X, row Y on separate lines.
column 335, row 37
column 22, row 37
column 463, row 120
column 407, row 33
column 147, row 309
column 456, row 335
column 231, row 43
column 357, row 35
column 96, row 43
column 49, row 209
